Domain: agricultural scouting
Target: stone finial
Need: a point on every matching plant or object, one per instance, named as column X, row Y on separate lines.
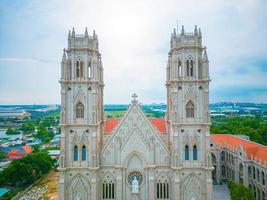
column 86, row 32
column 199, row 32
column 73, row 32
column 174, row 32
column 182, row 31
column 195, row 31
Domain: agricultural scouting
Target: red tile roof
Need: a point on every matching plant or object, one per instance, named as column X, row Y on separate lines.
column 253, row 150
column 27, row 149
column 158, row 123
column 18, row 153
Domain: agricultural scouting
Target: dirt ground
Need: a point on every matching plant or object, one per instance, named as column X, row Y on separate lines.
column 52, row 181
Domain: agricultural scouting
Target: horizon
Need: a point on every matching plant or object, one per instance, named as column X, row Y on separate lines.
column 134, row 43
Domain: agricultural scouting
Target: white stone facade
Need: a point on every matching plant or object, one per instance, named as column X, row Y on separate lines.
column 175, row 165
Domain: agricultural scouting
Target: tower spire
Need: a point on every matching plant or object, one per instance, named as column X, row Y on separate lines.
column 182, row 31
column 73, row 32
column 195, row 31
column 199, row 32
column 86, row 32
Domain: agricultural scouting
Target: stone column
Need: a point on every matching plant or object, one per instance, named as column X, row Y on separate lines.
column 176, row 194
column 151, row 185
column 93, row 188
column 119, row 192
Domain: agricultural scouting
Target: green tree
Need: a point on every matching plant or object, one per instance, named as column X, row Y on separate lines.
column 24, row 171
column 240, row 192
column 10, row 131
column 2, row 155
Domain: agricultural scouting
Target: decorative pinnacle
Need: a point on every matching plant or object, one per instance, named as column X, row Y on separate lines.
column 182, row 31
column 199, row 31
column 195, row 31
column 86, row 32
column 73, row 32
column 134, row 101
column 69, row 35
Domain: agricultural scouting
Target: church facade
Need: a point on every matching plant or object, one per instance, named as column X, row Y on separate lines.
column 135, row 157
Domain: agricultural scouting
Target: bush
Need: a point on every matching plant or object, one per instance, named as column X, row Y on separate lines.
column 240, row 192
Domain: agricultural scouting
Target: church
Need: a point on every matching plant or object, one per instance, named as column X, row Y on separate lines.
column 135, row 157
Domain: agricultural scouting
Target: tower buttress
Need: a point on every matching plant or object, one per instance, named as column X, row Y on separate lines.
column 188, row 103
column 82, row 111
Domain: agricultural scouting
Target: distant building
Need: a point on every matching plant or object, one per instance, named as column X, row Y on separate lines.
column 21, row 114
column 240, row 160
column 19, row 152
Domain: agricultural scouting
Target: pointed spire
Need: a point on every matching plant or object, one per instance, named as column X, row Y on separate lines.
column 86, row 33
column 69, row 36
column 182, row 31
column 195, row 31
column 73, row 32
column 199, row 32
column 174, row 32
column 94, row 34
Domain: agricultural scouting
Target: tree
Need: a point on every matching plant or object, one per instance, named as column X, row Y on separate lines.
column 24, row 171
column 2, row 155
column 240, row 192
column 44, row 134
column 10, row 131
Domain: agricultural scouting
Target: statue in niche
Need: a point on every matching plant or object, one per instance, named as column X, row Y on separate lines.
column 135, row 185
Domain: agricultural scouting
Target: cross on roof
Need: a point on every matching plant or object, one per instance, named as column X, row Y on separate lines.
column 134, row 98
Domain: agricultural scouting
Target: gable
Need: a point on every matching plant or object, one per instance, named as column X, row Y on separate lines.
column 134, row 133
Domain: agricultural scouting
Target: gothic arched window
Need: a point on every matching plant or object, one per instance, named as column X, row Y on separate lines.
column 189, row 67
column 79, row 69
column 84, row 152
column 186, row 152
column 89, row 70
column 163, row 188
column 75, row 153
column 195, row 152
column 179, row 68
column 190, row 110
column 79, row 110
column 108, row 189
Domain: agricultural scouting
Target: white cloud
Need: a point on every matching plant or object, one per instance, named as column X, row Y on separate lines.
column 134, row 38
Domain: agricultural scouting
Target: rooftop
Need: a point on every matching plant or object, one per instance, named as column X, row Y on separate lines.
column 254, row 151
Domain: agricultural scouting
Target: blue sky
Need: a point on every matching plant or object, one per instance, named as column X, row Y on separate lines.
column 134, row 42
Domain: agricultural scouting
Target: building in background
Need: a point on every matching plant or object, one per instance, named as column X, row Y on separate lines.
column 240, row 160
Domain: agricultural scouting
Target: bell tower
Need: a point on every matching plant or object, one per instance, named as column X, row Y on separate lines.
column 188, row 112
column 81, row 115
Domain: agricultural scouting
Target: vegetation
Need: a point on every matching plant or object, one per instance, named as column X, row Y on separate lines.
column 24, row 171
column 240, row 192
column 2, row 155
column 44, row 134
column 28, row 126
column 10, row 131
column 254, row 127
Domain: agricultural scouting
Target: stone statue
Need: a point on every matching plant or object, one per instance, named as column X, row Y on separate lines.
column 135, row 185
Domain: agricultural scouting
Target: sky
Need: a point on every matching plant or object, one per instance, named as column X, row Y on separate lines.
column 134, row 38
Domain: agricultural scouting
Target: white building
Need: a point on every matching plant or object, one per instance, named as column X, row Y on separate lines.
column 170, row 158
